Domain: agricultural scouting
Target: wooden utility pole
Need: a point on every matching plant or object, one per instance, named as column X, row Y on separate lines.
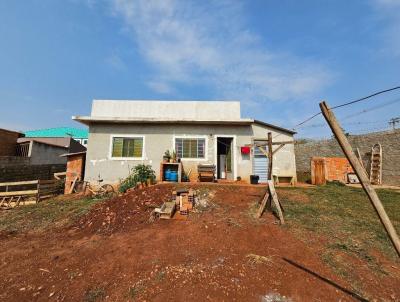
column 269, row 156
column 361, row 174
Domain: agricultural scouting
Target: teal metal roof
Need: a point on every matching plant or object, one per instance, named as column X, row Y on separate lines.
column 58, row 132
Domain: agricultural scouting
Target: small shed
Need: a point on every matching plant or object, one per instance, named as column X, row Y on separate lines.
column 75, row 169
column 325, row 169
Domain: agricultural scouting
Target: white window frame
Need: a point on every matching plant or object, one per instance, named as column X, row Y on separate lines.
column 205, row 137
column 83, row 141
column 126, row 136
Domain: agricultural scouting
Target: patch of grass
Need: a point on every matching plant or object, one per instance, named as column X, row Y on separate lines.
column 44, row 214
column 135, row 290
column 344, row 214
column 160, row 276
column 94, row 294
column 345, row 218
column 230, row 221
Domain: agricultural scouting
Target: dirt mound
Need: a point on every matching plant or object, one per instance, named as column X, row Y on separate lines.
column 125, row 212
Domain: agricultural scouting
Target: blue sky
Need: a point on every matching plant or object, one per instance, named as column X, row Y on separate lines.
column 279, row 58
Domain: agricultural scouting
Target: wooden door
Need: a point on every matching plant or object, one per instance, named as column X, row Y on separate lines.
column 318, row 172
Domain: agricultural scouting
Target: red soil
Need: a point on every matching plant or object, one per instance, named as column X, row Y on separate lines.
column 115, row 252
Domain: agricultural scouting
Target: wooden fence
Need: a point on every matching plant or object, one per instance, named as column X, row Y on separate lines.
column 15, row 192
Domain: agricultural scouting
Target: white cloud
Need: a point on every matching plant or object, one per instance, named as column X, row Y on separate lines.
column 160, row 87
column 115, row 62
column 191, row 43
column 388, row 11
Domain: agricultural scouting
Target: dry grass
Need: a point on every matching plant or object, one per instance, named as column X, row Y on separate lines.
column 258, row 259
column 43, row 215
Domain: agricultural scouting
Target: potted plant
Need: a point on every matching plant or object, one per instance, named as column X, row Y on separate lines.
column 140, row 176
column 173, row 157
column 166, row 156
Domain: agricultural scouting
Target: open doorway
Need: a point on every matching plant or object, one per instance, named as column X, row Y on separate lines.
column 225, row 158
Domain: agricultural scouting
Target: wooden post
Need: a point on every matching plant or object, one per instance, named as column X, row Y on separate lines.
column 269, row 156
column 274, row 197
column 361, row 174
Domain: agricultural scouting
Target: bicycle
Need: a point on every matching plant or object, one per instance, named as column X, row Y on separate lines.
column 99, row 190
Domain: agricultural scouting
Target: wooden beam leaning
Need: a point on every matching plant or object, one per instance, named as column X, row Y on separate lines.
column 274, row 197
column 277, row 149
column 263, row 204
column 361, row 174
column 263, row 151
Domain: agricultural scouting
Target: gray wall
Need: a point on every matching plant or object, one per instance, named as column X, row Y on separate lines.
column 390, row 141
column 43, row 154
column 13, row 168
column 159, row 138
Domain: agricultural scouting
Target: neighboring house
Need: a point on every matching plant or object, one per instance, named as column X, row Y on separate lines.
column 47, row 150
column 27, row 158
column 8, row 142
column 79, row 135
column 123, row 134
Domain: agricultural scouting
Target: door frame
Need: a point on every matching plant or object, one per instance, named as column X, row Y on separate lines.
column 234, row 159
column 253, row 140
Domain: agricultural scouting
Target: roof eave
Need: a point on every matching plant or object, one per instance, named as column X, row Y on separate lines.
column 87, row 120
column 275, row 127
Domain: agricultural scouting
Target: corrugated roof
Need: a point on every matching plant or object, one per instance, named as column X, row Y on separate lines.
column 58, row 132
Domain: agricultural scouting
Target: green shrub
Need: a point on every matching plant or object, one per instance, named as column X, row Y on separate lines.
column 139, row 175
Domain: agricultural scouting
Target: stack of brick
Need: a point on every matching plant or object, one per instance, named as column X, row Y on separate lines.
column 335, row 168
column 8, row 142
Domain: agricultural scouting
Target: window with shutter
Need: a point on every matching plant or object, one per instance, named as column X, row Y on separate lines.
column 127, row 147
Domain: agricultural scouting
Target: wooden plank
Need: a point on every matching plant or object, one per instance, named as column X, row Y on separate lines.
column 263, row 205
column 58, row 174
column 285, row 143
column 360, row 158
column 17, row 183
column 277, row 149
column 73, row 185
column 45, row 182
column 18, row 193
column 273, row 143
column 274, row 198
column 361, row 174
column 263, row 151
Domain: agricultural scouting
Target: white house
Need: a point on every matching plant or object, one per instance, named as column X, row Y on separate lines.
column 123, row 134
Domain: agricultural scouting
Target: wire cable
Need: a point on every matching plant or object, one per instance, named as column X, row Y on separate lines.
column 366, row 97
column 343, row 105
column 348, row 103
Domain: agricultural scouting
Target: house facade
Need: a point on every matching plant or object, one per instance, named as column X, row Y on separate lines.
column 123, row 134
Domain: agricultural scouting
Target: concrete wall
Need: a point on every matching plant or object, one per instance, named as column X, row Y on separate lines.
column 8, row 142
column 191, row 110
column 390, row 141
column 20, row 169
column 159, row 138
column 43, row 154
